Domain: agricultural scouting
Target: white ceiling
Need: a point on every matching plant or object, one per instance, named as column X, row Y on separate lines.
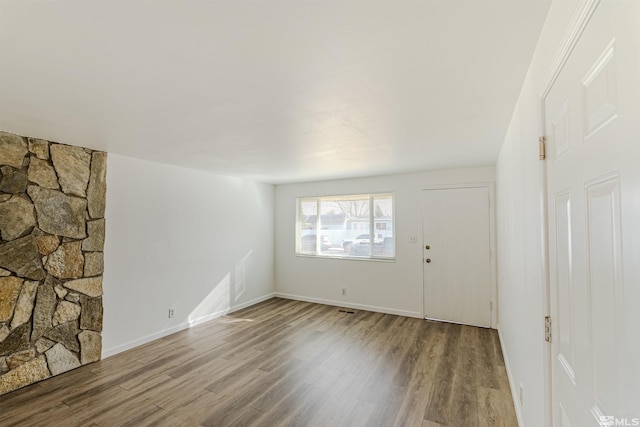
column 274, row 90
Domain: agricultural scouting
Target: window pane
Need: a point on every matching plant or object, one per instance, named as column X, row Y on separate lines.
column 307, row 219
column 344, row 220
column 383, row 242
column 343, row 226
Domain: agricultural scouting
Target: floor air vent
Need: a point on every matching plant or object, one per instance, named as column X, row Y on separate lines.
column 347, row 311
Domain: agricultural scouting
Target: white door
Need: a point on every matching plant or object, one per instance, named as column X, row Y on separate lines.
column 593, row 170
column 457, row 255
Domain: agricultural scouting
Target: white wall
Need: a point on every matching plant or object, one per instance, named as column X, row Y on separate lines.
column 521, row 260
column 393, row 287
column 179, row 238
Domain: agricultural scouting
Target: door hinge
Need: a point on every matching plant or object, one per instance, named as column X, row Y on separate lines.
column 547, row 328
column 542, row 147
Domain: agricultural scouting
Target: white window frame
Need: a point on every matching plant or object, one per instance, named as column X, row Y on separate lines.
column 318, row 226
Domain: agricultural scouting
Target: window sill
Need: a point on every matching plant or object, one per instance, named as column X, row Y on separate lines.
column 388, row 260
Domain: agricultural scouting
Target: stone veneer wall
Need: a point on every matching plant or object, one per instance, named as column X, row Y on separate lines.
column 52, row 202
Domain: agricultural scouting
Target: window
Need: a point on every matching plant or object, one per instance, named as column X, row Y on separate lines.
column 342, row 226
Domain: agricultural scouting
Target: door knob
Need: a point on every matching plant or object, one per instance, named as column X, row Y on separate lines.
column 427, row 247
column 428, row 260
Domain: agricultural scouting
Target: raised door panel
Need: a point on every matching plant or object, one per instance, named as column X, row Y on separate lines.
column 606, row 310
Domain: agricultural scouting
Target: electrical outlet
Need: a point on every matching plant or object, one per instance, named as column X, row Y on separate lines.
column 413, row 239
column 521, row 395
column 172, row 313
column 343, row 291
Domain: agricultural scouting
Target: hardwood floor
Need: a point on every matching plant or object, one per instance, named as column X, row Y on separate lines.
column 285, row 363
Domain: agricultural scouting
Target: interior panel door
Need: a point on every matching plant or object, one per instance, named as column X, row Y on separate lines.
column 593, row 174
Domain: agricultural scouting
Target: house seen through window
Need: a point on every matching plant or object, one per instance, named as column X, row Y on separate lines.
column 353, row 226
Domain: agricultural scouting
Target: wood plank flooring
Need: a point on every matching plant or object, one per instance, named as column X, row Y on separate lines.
column 285, row 363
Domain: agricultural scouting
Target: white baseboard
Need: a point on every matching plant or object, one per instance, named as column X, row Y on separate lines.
column 143, row 340
column 194, row 322
column 215, row 315
column 350, row 305
column 512, row 384
column 182, row 326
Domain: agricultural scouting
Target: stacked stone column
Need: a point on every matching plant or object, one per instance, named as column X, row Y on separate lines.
column 52, row 228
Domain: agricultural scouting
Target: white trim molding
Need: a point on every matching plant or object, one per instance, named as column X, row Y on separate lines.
column 571, row 36
column 512, row 384
column 182, row 326
column 344, row 304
